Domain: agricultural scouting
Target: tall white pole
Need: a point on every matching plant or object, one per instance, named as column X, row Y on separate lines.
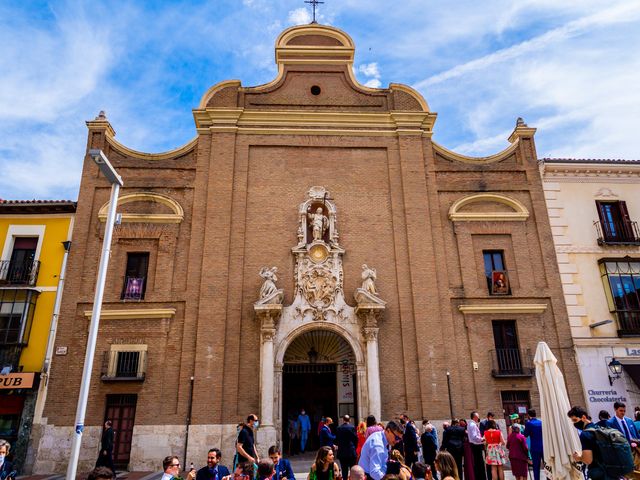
column 93, row 334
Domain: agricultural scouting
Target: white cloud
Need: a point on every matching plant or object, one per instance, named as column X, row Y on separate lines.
column 372, row 72
column 62, row 67
column 299, row 16
column 370, row 69
column 619, row 14
column 373, row 83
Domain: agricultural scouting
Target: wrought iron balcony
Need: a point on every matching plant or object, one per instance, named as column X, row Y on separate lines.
column 133, row 288
column 511, row 362
column 628, row 323
column 23, row 273
column 617, row 233
column 10, row 357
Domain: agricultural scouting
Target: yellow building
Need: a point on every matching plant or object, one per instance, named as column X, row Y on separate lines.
column 34, row 239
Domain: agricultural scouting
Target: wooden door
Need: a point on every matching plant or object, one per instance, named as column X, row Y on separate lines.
column 121, row 410
column 515, row 401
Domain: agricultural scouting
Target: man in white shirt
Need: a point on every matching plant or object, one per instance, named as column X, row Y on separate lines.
column 375, row 451
column 477, row 446
column 171, row 466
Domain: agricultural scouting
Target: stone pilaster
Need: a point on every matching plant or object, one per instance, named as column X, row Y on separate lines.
column 268, row 316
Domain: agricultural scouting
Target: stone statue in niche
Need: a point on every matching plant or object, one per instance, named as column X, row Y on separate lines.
column 319, row 224
column 368, row 279
column 269, row 292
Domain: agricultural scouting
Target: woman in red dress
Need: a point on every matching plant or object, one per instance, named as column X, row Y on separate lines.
column 496, row 455
column 361, row 431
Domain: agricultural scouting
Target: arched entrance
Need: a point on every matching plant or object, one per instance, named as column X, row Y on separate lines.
column 319, row 374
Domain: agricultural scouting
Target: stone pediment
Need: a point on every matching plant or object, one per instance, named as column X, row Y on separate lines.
column 315, row 72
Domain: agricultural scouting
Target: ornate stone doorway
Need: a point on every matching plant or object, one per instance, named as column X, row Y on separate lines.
column 318, row 375
column 318, row 328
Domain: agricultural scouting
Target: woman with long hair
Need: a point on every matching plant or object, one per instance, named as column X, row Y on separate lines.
column 446, row 466
column 324, row 468
column 361, row 431
column 496, row 454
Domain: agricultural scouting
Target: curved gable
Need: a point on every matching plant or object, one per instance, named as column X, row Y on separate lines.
column 488, row 207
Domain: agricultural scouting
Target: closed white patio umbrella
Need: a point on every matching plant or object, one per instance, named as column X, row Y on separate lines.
column 559, row 436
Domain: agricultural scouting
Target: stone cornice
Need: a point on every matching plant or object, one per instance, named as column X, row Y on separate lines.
column 590, row 172
column 503, row 308
column 307, row 122
column 138, row 313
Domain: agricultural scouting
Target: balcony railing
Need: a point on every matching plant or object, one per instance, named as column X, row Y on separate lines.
column 124, row 366
column 511, row 362
column 628, row 323
column 10, row 357
column 23, row 273
column 617, row 233
column 133, row 288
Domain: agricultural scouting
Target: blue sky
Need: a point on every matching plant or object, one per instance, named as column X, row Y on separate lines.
column 570, row 68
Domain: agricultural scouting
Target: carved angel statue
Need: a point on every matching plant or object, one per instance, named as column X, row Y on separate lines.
column 368, row 279
column 319, row 223
column 268, row 286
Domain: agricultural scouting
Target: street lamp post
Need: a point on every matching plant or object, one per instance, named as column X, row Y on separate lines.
column 116, row 182
column 449, row 390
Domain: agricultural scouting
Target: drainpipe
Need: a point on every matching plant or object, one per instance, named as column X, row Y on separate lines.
column 186, row 437
column 56, row 312
column 44, row 374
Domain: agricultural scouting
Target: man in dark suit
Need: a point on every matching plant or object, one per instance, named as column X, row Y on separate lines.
column 622, row 423
column 409, row 440
column 282, row 467
column 453, row 441
column 213, row 470
column 533, row 430
column 347, row 441
column 327, row 439
column 105, row 457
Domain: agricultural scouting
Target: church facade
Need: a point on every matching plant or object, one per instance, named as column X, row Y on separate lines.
column 312, row 247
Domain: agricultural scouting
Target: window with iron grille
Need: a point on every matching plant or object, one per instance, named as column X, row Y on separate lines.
column 505, row 338
column 125, row 362
column 16, row 315
column 615, row 222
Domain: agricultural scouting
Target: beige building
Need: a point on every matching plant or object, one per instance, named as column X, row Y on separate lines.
column 593, row 209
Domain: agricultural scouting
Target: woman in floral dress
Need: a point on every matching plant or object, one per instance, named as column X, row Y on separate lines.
column 496, row 454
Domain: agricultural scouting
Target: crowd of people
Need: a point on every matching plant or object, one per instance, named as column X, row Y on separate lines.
column 468, row 449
